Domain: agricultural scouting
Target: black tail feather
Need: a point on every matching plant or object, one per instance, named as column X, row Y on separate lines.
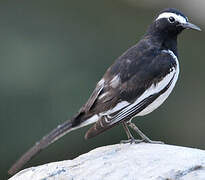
column 54, row 135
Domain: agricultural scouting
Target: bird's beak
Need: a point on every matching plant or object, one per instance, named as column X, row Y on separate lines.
column 189, row 25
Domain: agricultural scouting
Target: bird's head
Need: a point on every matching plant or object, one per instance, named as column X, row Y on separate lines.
column 171, row 22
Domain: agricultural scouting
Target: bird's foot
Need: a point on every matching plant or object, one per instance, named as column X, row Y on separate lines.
column 147, row 140
column 136, row 141
column 142, row 135
column 131, row 141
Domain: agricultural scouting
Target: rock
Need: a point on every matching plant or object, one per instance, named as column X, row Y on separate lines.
column 125, row 162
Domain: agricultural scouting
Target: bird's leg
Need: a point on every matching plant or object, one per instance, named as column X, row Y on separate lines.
column 129, row 135
column 142, row 135
column 131, row 139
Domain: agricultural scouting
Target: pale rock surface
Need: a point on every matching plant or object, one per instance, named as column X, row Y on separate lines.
column 125, row 162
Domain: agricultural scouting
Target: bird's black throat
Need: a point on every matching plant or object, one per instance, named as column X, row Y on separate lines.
column 165, row 40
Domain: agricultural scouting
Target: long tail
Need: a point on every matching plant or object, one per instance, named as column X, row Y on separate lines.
column 53, row 136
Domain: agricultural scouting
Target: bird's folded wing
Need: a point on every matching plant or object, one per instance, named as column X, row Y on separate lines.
column 125, row 114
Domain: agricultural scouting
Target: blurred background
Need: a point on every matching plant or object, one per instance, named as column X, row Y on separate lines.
column 52, row 53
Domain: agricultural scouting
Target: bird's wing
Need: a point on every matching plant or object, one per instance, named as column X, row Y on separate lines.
column 107, row 89
column 94, row 96
column 148, row 81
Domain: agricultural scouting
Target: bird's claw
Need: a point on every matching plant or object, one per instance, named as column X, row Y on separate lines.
column 136, row 141
column 152, row 142
column 131, row 141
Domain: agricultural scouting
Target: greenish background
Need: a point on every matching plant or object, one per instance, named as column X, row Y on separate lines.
column 52, row 53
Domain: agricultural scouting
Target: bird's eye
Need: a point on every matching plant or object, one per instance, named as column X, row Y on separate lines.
column 171, row 19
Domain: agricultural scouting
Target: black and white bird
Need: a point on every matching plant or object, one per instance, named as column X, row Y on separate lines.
column 137, row 83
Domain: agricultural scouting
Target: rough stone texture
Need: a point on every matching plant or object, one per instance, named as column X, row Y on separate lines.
column 125, row 162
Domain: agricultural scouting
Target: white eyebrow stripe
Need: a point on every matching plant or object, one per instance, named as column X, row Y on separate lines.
column 178, row 18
